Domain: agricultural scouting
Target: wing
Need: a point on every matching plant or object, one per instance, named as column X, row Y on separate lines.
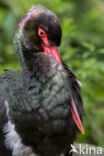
column 76, row 103
column 3, row 120
column 75, row 90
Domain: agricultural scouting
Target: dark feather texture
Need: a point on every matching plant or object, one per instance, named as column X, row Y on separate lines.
column 39, row 95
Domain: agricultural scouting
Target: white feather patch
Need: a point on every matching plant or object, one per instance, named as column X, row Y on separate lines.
column 13, row 140
column 79, row 83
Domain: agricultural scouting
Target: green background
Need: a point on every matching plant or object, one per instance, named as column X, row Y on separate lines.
column 82, row 49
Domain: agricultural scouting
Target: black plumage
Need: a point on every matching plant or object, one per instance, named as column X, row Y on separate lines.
column 35, row 101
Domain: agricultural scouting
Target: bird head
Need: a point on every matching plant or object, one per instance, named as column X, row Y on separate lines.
column 39, row 31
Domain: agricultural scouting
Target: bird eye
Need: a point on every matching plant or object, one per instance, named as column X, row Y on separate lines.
column 43, row 36
column 41, row 33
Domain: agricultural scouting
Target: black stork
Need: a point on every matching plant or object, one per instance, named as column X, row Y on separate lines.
column 41, row 107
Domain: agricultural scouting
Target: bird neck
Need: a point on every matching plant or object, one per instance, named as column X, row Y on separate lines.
column 37, row 66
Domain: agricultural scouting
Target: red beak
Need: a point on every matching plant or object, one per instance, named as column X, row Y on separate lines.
column 54, row 52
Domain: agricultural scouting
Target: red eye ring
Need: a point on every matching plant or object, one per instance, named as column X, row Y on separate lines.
column 43, row 36
column 41, row 33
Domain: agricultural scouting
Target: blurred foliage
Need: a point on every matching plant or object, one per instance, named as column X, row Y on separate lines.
column 82, row 49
